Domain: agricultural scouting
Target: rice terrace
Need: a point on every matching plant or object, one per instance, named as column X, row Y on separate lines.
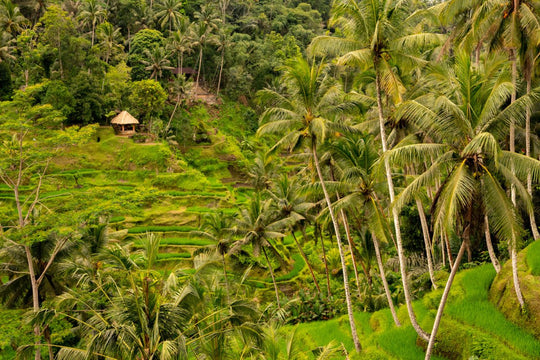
column 269, row 179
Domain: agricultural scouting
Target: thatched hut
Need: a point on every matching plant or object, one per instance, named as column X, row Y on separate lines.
column 124, row 123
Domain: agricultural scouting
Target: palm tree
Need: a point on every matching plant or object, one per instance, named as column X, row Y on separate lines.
column 5, row 47
column 258, row 225
column 302, row 117
column 207, row 22
column 131, row 311
column 223, row 42
column 157, row 61
column 93, row 12
column 11, row 19
column 467, row 114
column 512, row 25
column 355, row 156
column 169, row 12
column 291, row 204
column 217, row 227
column 180, row 42
column 374, row 37
column 109, row 40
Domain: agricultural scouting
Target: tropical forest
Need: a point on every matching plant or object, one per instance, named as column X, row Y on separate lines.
column 269, row 179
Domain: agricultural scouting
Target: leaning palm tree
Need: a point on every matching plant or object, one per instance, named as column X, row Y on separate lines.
column 468, row 115
column 374, row 37
column 302, row 116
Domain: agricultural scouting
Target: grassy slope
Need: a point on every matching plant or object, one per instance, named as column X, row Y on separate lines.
column 471, row 326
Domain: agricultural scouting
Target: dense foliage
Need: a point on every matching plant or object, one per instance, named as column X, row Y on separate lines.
column 335, row 166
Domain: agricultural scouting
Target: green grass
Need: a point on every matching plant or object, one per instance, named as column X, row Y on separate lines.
column 174, row 193
column 116, row 219
column 144, row 229
column 533, row 258
column 173, row 256
column 204, row 210
column 475, row 309
column 299, row 264
column 182, row 241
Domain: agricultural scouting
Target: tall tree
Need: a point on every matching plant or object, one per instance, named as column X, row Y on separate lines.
column 374, row 37
column 207, row 23
column 302, row 116
column 92, row 13
column 467, row 113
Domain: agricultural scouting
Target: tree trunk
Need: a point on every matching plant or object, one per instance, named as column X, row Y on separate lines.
column 326, row 266
column 395, row 214
column 534, row 227
column 427, row 240
column 35, row 300
column 448, row 250
column 442, row 304
column 199, row 69
column 307, row 262
column 513, row 244
column 225, row 275
column 273, row 277
column 93, row 32
column 354, row 334
column 383, row 278
column 220, row 70
column 353, row 258
column 489, row 244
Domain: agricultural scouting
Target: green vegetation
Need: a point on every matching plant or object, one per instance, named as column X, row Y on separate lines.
column 306, row 180
column 146, row 229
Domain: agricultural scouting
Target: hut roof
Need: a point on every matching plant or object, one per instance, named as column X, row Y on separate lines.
column 124, row 118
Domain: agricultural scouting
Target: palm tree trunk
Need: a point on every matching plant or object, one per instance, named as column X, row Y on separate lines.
column 307, row 262
column 35, row 300
column 427, row 240
column 200, row 65
column 448, row 250
column 93, row 32
column 225, row 275
column 354, row 334
column 489, row 244
column 515, row 277
column 395, row 214
column 443, row 302
column 443, row 256
column 513, row 244
column 273, row 277
column 383, row 278
column 221, row 69
column 350, row 241
column 174, row 111
column 326, row 266
column 534, row 227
